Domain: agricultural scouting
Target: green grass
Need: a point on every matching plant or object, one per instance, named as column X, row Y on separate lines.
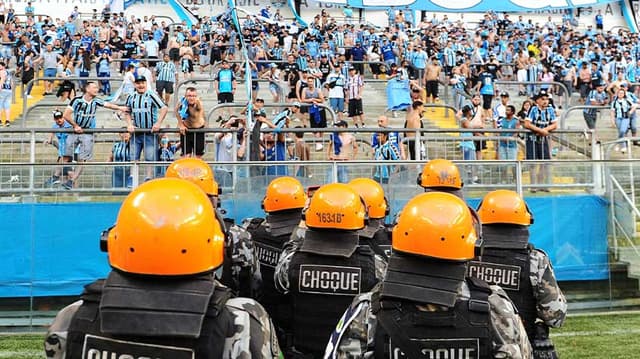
column 589, row 336
column 22, row 346
column 599, row 336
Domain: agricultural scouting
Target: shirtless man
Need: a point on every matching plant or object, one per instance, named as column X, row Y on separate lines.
column 342, row 148
column 431, row 77
column 186, row 60
column 173, row 47
column 103, row 33
column 413, row 121
column 190, row 115
column 522, row 60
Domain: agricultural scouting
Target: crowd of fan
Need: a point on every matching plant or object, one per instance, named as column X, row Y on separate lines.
column 325, row 62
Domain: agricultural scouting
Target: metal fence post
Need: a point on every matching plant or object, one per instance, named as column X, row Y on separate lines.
column 32, row 161
column 597, row 168
column 519, row 178
column 135, row 174
column 416, row 146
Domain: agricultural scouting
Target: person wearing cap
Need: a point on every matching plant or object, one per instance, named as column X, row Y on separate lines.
column 146, row 111
column 58, row 140
column 329, row 250
column 426, row 306
column 161, row 298
column 500, row 109
column 541, row 121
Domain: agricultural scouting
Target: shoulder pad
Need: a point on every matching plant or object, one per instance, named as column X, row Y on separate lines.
column 93, row 291
column 478, row 284
column 540, row 251
column 254, row 223
column 497, row 290
column 221, row 295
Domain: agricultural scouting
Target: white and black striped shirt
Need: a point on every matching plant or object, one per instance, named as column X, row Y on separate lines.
column 143, row 108
column 84, row 113
column 166, row 71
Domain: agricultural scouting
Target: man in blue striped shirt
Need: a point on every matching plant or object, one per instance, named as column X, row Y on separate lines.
column 541, row 121
column 81, row 115
column 145, row 110
column 166, row 78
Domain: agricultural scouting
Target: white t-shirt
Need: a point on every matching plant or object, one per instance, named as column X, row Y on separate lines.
column 338, row 90
column 152, row 47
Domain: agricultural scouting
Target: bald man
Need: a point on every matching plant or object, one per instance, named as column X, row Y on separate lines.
column 394, row 137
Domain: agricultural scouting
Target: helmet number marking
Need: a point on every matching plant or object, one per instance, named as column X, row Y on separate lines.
column 329, row 217
column 187, row 172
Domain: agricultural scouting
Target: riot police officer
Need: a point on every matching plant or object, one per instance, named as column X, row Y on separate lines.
column 283, row 202
column 425, row 307
column 524, row 272
column 161, row 299
column 442, row 176
column 375, row 233
column 241, row 269
column 328, row 268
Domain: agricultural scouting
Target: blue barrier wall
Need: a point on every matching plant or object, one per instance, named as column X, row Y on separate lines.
column 53, row 249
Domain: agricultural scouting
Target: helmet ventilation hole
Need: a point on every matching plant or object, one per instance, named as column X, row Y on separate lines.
column 442, row 239
column 183, row 251
column 131, row 249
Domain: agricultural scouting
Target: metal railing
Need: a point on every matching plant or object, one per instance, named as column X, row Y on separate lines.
column 436, row 144
column 565, row 90
column 24, row 88
column 615, row 187
column 565, row 114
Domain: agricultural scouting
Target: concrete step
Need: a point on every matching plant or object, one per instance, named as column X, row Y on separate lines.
column 631, row 256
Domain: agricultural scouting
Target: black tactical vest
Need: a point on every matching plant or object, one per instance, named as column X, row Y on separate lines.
column 92, row 332
column 378, row 237
column 322, row 287
column 268, row 248
column 509, row 269
column 461, row 332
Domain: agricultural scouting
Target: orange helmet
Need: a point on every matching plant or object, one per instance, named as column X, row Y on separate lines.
column 373, row 195
column 194, row 170
column 166, row 227
column 440, row 173
column 284, row 193
column 504, row 206
column 336, row 206
column 438, row 225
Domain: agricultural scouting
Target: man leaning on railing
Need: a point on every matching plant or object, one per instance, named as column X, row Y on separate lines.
column 81, row 115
